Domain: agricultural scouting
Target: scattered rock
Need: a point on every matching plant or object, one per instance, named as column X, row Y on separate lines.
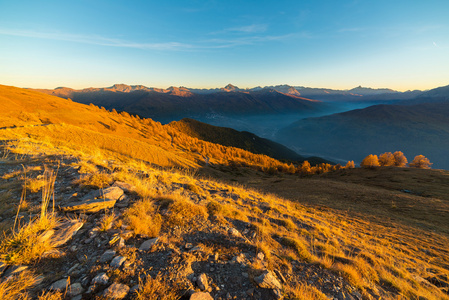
column 148, row 244
column 267, row 281
column 201, row 296
column 101, row 278
column 277, row 294
column 113, row 193
column 260, row 256
column 116, row 291
column 14, row 270
column 234, row 232
column 202, row 283
column 59, row 285
column 188, row 246
column 124, row 186
column 75, row 289
column 107, row 256
column 117, row 261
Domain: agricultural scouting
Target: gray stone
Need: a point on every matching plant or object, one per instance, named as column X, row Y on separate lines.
column 260, row 256
column 267, row 281
column 113, row 193
column 79, row 297
column 124, row 186
column 201, row 281
column 201, row 296
column 65, row 232
column 59, row 285
column 234, row 232
column 117, row 261
column 101, row 278
column 116, row 291
column 75, row 289
column 14, row 270
column 148, row 244
column 107, row 256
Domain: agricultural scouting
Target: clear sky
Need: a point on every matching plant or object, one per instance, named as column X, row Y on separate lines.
column 329, row 43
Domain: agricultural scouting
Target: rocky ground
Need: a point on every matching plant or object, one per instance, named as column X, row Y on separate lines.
column 206, row 259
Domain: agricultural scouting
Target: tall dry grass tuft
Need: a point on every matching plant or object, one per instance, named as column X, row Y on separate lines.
column 181, row 211
column 306, row 292
column 16, row 287
column 24, row 244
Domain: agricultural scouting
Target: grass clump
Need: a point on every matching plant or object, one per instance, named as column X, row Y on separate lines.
column 181, row 211
column 143, row 218
column 297, row 245
column 106, row 221
column 96, row 180
column 155, row 289
column 15, row 288
column 34, row 185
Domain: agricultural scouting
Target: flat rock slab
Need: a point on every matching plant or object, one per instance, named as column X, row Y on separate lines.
column 65, row 232
column 14, row 270
column 117, row 261
column 116, row 291
column 107, row 256
column 89, row 206
column 113, row 193
column 96, row 201
column 101, row 278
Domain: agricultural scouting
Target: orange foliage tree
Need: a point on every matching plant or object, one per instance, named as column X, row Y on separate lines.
column 421, row 162
column 399, row 159
column 370, row 161
column 386, row 159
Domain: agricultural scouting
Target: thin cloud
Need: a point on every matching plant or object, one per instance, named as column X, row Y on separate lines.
column 253, row 28
column 167, row 46
column 96, row 40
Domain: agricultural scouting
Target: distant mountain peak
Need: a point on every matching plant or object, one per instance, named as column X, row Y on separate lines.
column 230, row 88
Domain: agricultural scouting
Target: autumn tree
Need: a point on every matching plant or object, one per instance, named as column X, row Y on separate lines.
column 387, row 159
column 421, row 162
column 370, row 161
column 350, row 165
column 306, row 168
column 399, row 159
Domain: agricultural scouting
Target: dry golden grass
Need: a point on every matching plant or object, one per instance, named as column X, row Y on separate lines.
column 16, row 288
column 143, row 218
column 155, row 289
column 23, row 244
column 181, row 211
column 305, row 292
column 107, row 221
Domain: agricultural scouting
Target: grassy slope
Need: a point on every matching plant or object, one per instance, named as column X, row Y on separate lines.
column 82, row 125
column 233, row 138
column 343, row 221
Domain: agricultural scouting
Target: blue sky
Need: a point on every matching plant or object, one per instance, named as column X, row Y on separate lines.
column 336, row 44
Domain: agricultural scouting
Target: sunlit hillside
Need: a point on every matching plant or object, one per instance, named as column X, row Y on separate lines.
column 101, row 205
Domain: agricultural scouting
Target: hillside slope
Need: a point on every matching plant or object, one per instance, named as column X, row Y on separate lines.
column 86, row 213
column 416, row 129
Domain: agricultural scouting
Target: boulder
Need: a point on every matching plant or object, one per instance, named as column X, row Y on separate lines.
column 75, row 289
column 202, row 283
column 116, row 291
column 267, row 281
